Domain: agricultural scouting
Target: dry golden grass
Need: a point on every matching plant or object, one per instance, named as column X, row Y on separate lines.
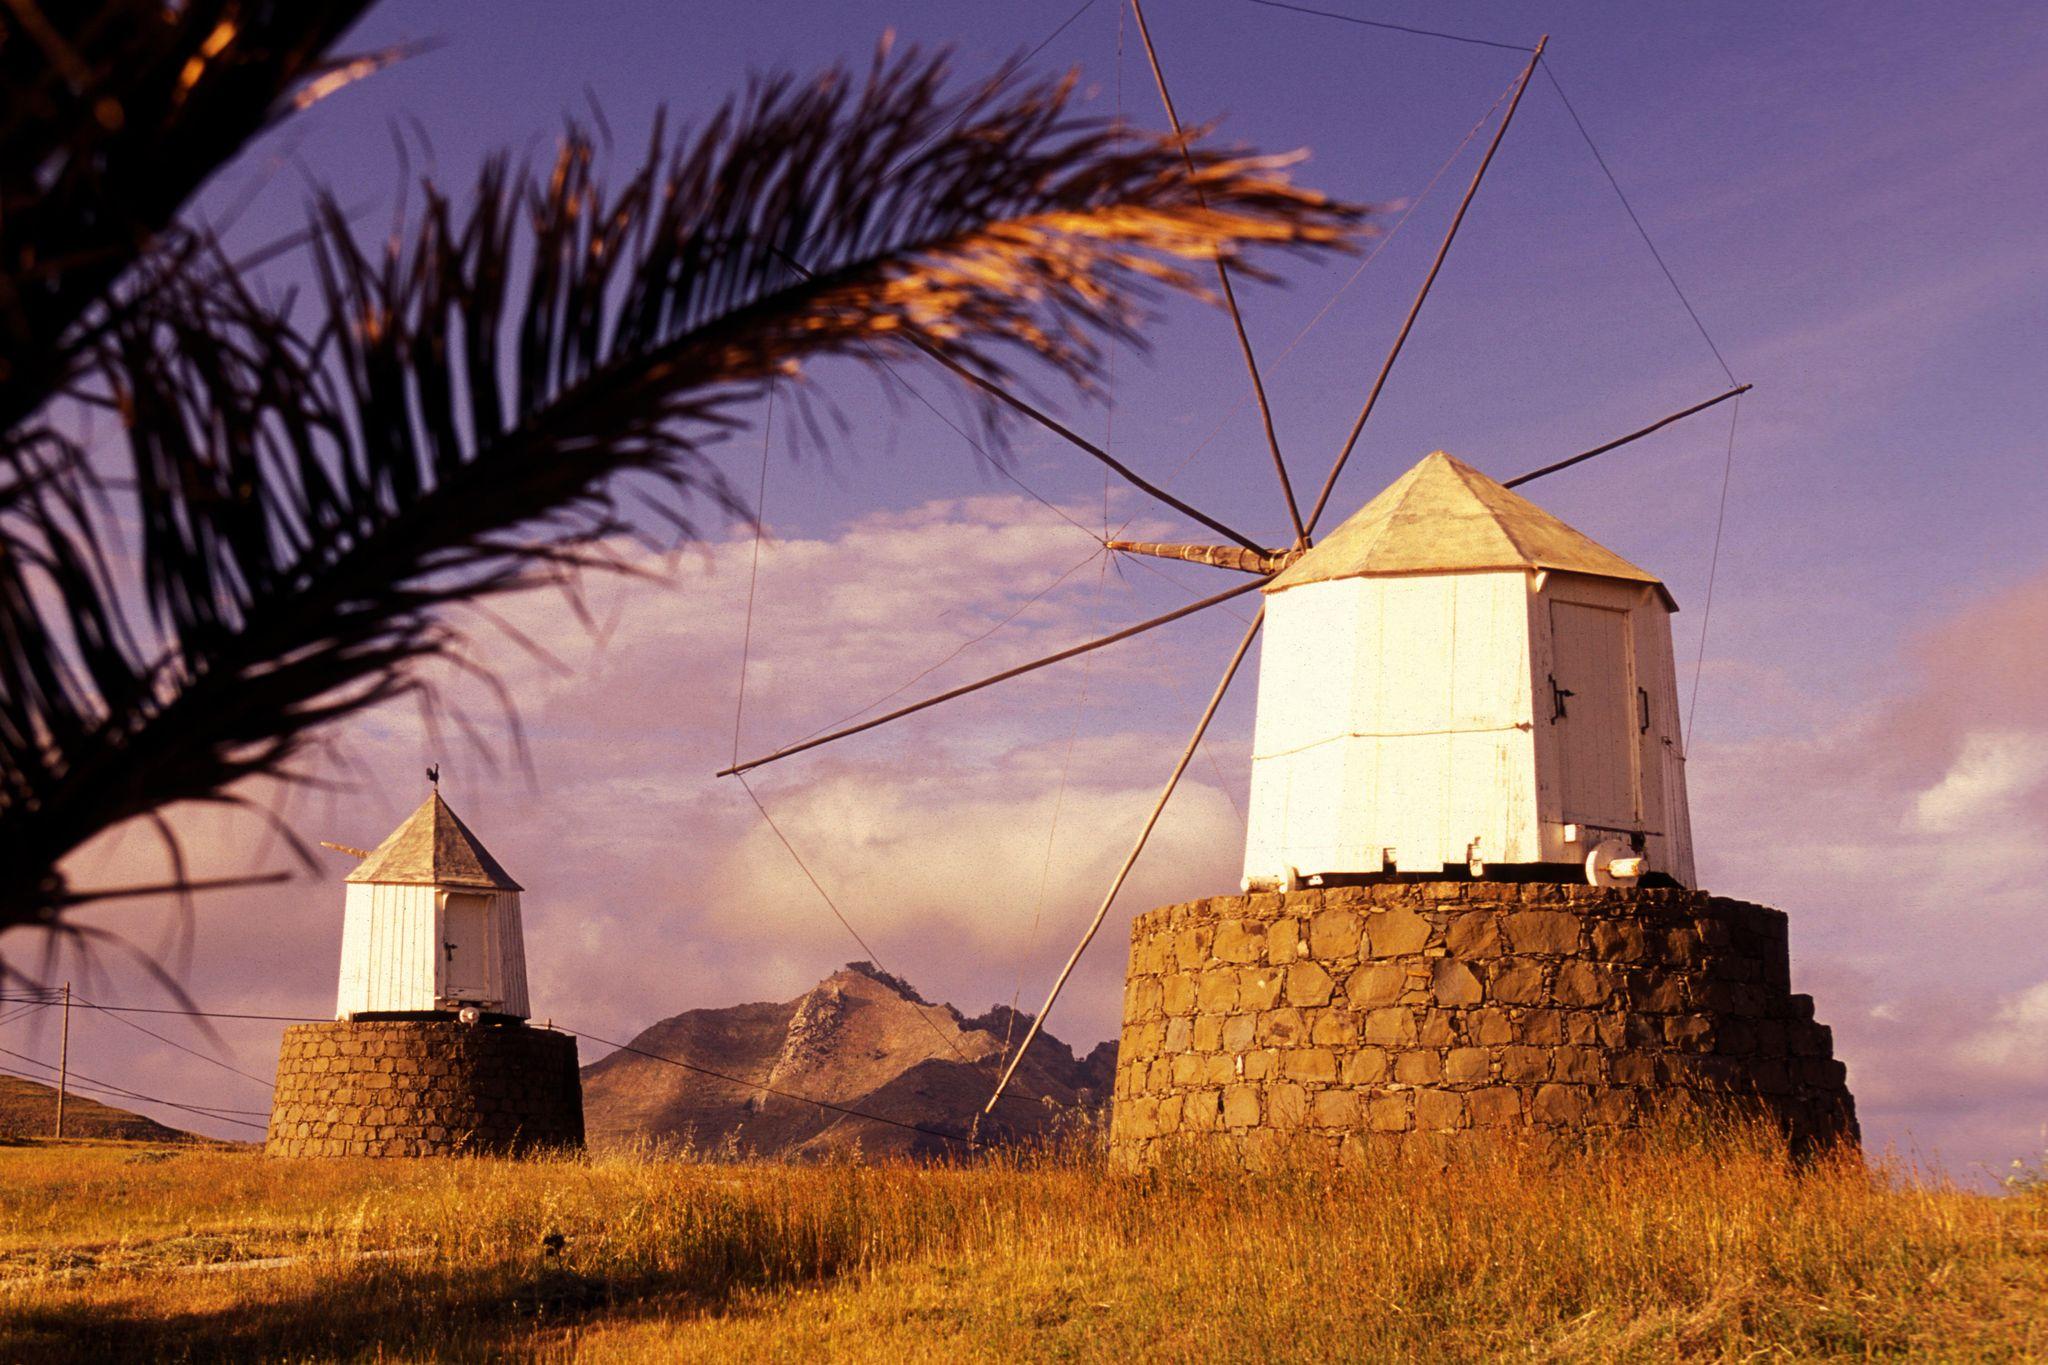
column 1679, row 1246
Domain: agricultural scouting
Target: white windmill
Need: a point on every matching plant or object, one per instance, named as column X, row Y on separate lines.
column 1453, row 679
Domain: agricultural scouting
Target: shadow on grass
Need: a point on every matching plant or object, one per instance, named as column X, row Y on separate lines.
column 442, row 1312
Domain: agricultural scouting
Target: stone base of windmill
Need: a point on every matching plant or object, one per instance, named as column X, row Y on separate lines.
column 1446, row 1010
column 425, row 1087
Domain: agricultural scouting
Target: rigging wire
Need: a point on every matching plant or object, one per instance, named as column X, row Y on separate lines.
column 1641, row 231
column 1396, row 28
column 994, row 462
column 1080, row 709
column 1713, row 566
column 754, row 574
column 845, row 923
column 1208, row 751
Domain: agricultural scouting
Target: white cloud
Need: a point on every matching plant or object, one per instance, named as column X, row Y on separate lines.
column 1981, row 791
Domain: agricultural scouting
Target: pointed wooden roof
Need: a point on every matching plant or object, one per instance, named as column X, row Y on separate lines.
column 1444, row 516
column 433, row 848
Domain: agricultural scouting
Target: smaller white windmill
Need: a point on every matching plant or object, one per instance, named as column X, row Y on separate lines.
column 431, row 925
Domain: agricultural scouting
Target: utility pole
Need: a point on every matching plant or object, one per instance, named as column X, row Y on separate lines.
column 64, row 1059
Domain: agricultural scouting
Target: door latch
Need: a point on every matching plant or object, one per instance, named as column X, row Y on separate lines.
column 1557, row 696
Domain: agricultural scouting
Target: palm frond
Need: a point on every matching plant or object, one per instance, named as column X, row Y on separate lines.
column 116, row 112
column 467, row 408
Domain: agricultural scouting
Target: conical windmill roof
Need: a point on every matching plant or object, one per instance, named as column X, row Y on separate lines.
column 1444, row 516
column 433, row 848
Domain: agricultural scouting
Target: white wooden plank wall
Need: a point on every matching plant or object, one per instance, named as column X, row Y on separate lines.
column 388, row 949
column 511, row 939
column 1429, row 751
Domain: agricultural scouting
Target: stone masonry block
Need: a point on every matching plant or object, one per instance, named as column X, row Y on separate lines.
column 1333, row 935
column 1376, row 983
column 1454, row 983
column 1308, row 984
column 1473, row 935
column 1258, row 988
column 1239, row 942
column 1545, row 931
column 1394, row 932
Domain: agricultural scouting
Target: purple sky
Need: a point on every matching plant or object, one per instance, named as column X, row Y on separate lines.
column 1851, row 196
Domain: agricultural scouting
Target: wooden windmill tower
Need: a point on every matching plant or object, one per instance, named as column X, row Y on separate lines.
column 431, row 925
column 1453, row 678
column 430, row 1052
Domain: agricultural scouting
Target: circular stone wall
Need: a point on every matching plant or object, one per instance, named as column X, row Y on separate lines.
column 1446, row 1006
column 418, row 1087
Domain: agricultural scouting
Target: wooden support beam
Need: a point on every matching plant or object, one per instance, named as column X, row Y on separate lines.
column 1215, row 556
column 1126, row 633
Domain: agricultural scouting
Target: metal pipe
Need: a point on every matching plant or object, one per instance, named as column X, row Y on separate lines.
column 1130, row 860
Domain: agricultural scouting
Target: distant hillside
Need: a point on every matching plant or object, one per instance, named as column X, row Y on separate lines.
column 30, row 1110
column 860, row 1038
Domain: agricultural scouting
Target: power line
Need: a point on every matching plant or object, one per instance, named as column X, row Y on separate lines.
column 200, row 1014
column 194, row 1052
column 211, row 1111
column 1396, row 28
column 119, row 1091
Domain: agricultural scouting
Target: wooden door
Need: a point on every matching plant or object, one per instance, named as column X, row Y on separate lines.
column 465, row 946
column 1592, row 705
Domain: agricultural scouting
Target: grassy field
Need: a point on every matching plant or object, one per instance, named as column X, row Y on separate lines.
column 1704, row 1248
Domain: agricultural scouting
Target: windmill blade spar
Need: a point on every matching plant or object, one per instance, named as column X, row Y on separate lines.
column 1055, row 426
column 1126, row 633
column 1215, row 556
column 1244, row 341
column 1131, row 859
column 1619, row 441
column 1372, row 398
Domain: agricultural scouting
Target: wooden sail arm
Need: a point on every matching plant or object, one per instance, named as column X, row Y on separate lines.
column 1216, row 556
column 1072, row 652
column 1620, row 441
column 344, row 848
